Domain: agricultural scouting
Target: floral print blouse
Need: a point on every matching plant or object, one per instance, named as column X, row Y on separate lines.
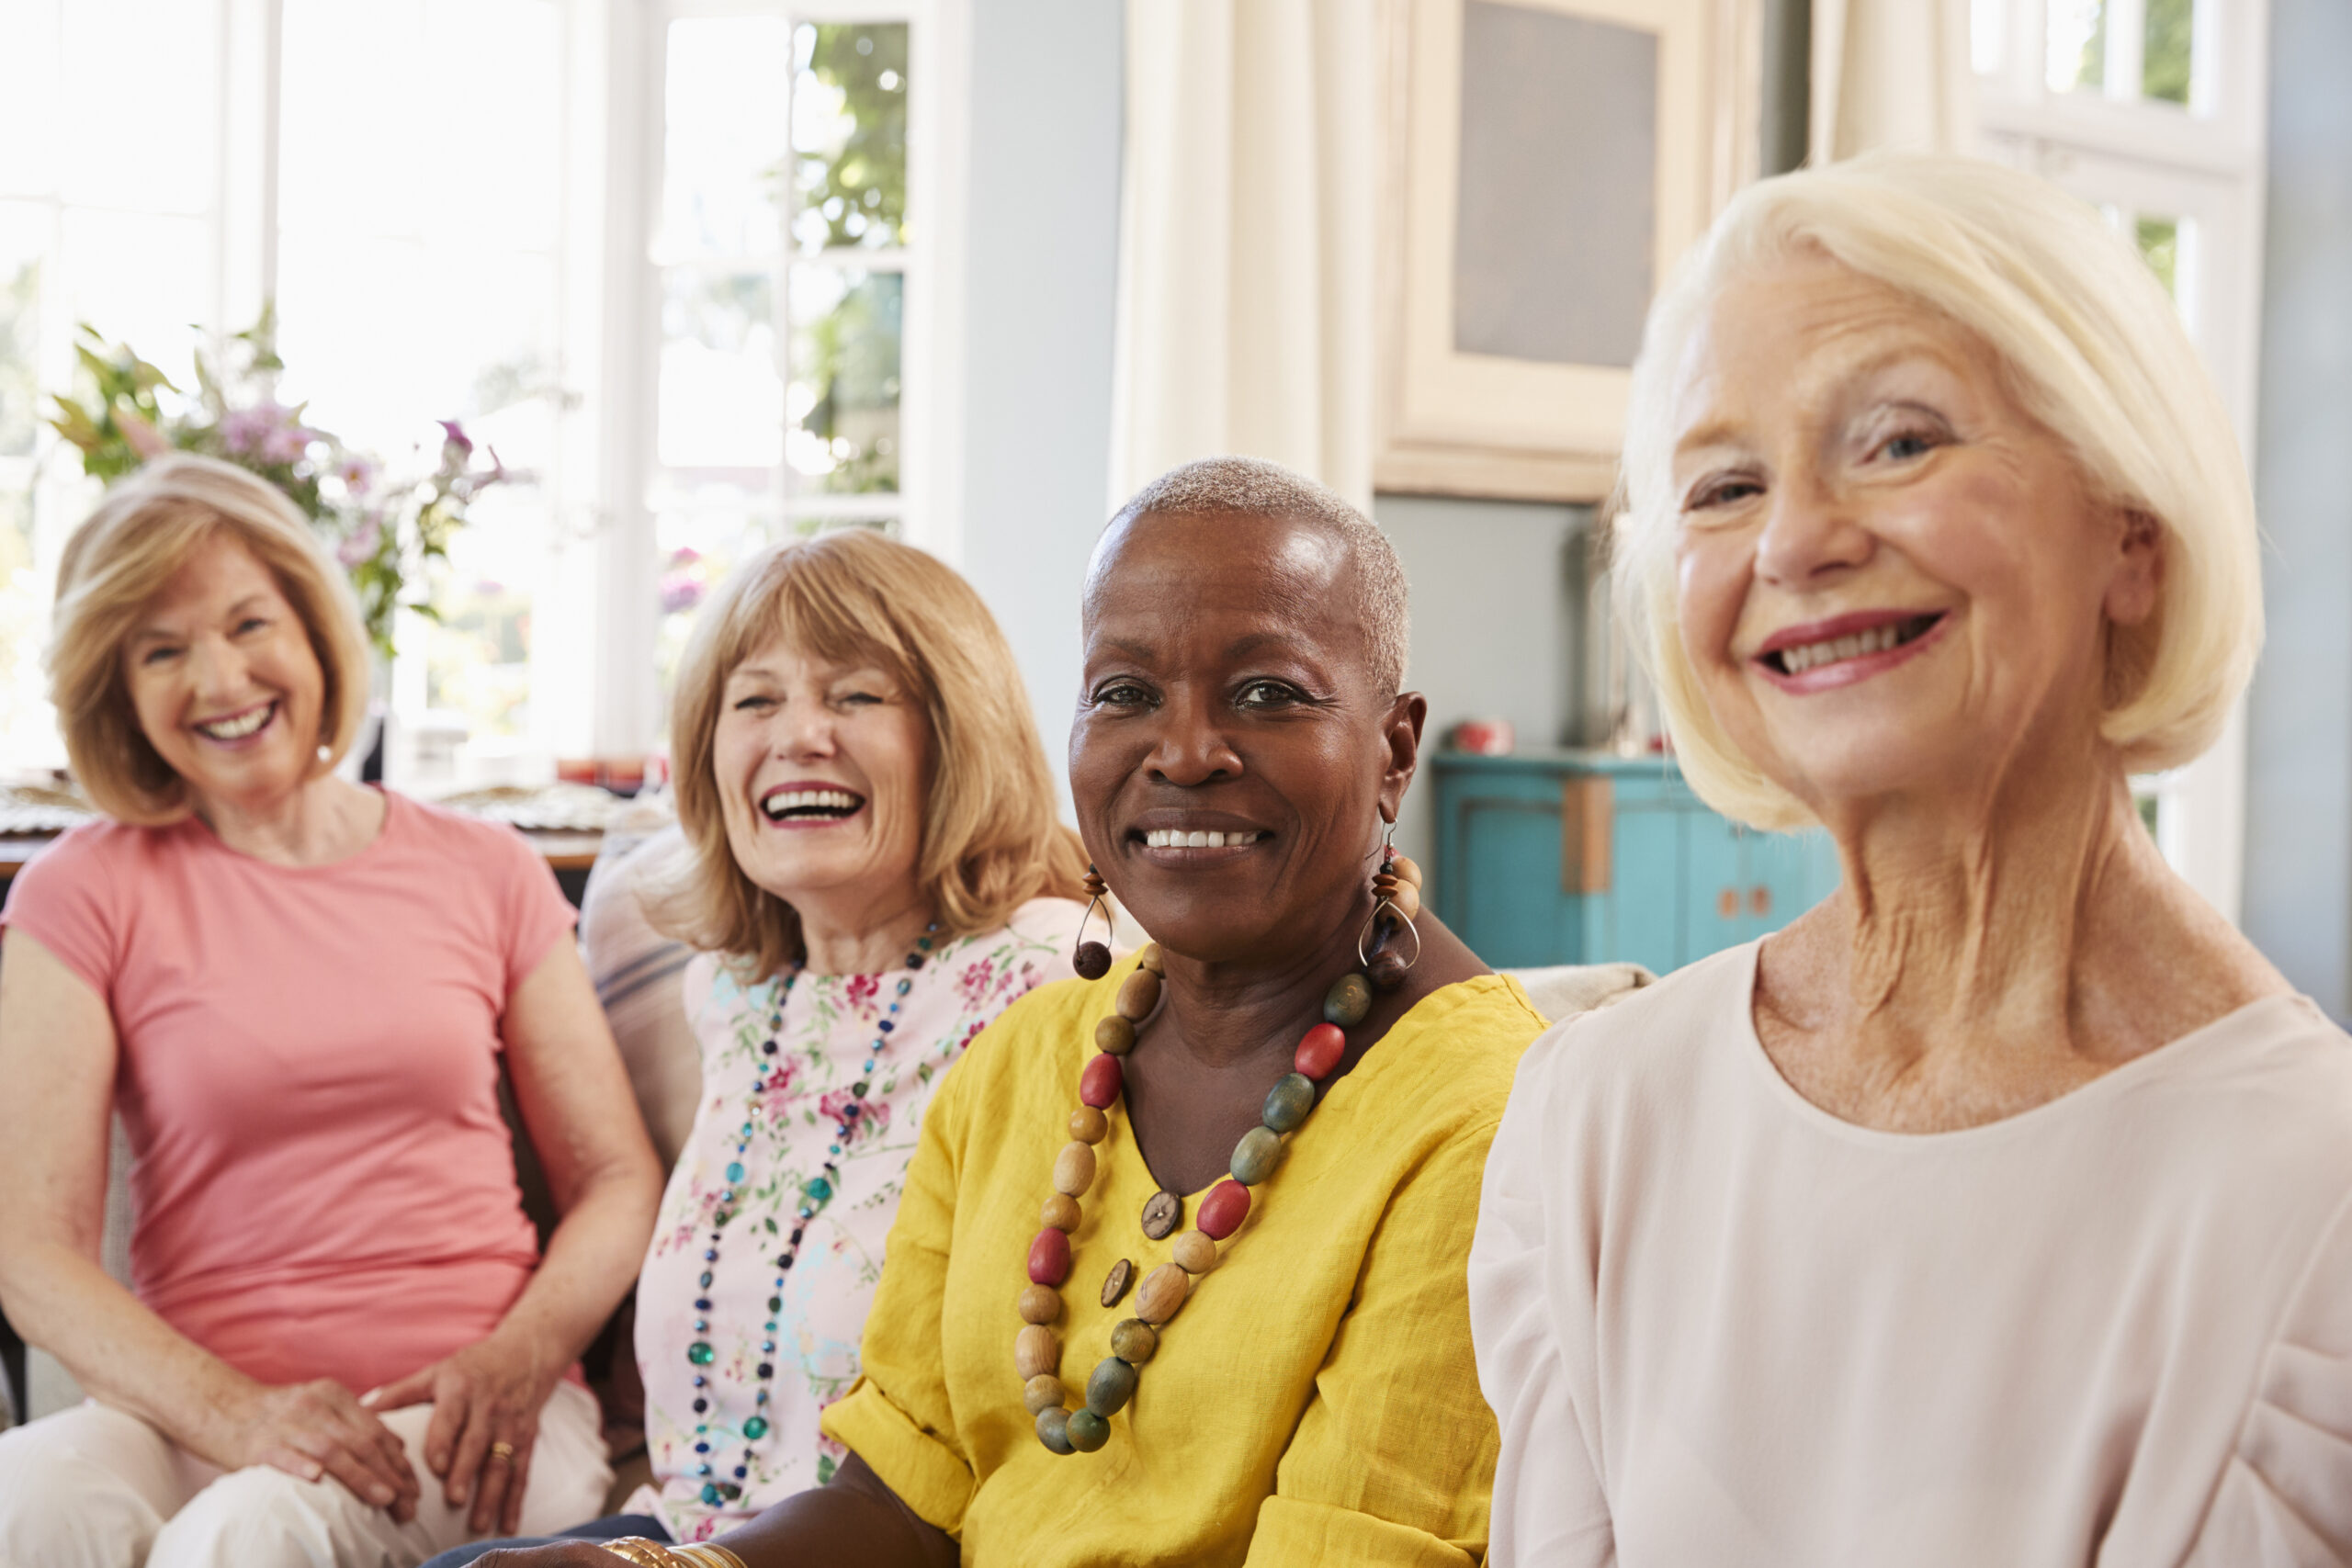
column 794, row 1100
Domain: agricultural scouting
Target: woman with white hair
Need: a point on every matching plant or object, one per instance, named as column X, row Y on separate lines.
column 1999, row 1210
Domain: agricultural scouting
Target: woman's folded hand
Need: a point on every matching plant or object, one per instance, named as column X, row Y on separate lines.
column 486, row 1401
column 313, row 1430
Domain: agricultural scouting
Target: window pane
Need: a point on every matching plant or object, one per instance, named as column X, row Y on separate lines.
column 139, row 279
column 724, row 145
column 21, row 233
column 844, row 399
column 2078, row 41
column 144, row 128
column 30, row 103
column 27, row 727
column 722, row 401
column 2159, row 243
column 849, row 135
column 2163, row 63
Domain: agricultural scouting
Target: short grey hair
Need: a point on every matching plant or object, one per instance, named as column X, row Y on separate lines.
column 1251, row 487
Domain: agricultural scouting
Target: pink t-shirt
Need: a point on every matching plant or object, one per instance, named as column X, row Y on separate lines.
column 322, row 1185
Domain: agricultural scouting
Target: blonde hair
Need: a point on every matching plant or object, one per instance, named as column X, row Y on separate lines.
column 2091, row 347
column 141, row 534
column 990, row 839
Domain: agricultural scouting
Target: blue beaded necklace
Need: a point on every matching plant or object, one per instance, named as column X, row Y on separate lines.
column 815, row 1193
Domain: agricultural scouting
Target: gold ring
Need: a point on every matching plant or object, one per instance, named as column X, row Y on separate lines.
column 501, row 1451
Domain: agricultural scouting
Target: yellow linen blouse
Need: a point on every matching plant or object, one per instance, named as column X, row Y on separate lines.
column 1315, row 1401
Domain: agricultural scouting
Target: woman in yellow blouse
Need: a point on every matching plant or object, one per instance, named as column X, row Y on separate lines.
column 1178, row 1273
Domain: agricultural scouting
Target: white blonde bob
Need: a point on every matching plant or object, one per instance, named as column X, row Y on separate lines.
column 2092, row 349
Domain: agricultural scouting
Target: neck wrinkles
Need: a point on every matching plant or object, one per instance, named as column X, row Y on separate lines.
column 1229, row 1013
column 868, row 937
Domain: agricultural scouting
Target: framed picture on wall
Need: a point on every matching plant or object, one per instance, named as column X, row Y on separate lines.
column 1546, row 161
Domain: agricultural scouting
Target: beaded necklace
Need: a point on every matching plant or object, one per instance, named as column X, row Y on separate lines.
column 815, row 1193
column 1134, row 1340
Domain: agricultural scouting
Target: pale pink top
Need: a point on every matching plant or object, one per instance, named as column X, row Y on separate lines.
column 826, row 1031
column 322, row 1185
column 1719, row 1325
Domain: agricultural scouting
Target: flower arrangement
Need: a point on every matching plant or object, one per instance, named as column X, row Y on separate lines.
column 387, row 534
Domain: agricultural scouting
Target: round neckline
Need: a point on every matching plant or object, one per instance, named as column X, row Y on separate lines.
column 205, row 834
column 2080, row 1100
column 1374, row 1061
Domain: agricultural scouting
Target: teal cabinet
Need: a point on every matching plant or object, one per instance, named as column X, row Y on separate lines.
column 1579, row 857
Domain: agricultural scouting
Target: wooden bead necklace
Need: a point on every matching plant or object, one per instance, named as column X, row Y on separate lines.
column 1134, row 1340
column 815, row 1193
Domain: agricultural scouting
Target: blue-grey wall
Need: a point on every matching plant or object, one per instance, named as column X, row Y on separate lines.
column 1496, row 625
column 1042, row 281
column 2298, row 905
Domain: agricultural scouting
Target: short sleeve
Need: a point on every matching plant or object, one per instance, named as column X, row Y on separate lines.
column 2285, row 1498
column 534, row 913
column 897, row 1416
column 1393, row 1458
column 1549, row 1507
column 65, row 899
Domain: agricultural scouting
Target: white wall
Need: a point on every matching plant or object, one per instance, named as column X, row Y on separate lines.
column 1043, row 251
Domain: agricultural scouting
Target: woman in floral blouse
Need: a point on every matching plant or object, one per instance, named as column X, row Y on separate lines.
column 877, row 874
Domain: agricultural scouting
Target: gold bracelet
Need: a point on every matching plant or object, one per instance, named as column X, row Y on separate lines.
column 638, row 1550
column 707, row 1554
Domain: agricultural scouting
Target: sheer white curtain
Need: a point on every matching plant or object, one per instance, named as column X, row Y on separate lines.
column 1891, row 73
column 1245, row 255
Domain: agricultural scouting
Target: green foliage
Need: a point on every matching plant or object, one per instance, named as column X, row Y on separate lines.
column 2163, row 67
column 389, row 537
column 20, row 324
column 852, row 354
column 2159, row 243
column 857, row 185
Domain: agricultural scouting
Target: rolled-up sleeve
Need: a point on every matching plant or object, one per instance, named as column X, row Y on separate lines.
column 897, row 1416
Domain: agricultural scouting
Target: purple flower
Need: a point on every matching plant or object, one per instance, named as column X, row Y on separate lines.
column 684, row 555
column 679, row 593
column 362, row 541
column 287, row 442
column 454, row 435
column 358, row 474
column 244, row 430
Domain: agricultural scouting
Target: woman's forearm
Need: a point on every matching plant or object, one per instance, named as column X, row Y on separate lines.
column 592, row 1262
column 116, row 1346
column 855, row 1518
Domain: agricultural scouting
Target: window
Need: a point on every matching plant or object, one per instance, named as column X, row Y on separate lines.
column 789, row 255
column 106, row 218
column 684, row 264
column 2154, row 110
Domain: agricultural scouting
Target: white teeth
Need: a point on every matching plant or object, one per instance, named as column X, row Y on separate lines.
column 1178, row 839
column 239, row 728
column 809, row 800
column 1797, row 660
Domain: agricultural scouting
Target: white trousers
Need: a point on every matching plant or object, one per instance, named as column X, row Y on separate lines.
column 97, row 1487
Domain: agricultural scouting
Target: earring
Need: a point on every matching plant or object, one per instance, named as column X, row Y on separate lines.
column 325, row 751
column 1092, row 959
column 1395, row 900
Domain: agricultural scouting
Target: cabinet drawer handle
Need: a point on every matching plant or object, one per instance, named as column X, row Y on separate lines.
column 1587, row 822
column 1759, row 900
column 1727, row 903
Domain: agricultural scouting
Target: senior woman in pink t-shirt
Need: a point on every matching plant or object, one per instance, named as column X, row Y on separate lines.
column 298, row 995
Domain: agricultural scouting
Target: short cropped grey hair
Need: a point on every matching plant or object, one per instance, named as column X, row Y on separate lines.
column 1251, row 487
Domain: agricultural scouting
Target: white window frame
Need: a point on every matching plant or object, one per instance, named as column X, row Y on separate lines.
column 2206, row 162
column 928, row 508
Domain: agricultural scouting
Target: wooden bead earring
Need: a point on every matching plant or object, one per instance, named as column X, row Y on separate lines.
column 1395, row 900
column 1092, row 959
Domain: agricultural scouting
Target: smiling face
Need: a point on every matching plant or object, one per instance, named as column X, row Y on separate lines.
column 225, row 682
column 822, row 772
column 1889, row 577
column 1232, row 757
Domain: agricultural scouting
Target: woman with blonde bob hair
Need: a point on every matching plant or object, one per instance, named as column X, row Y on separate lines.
column 298, row 995
column 873, row 872
column 2000, row 1209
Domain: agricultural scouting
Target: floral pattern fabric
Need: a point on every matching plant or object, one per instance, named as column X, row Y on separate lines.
column 829, row 1027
